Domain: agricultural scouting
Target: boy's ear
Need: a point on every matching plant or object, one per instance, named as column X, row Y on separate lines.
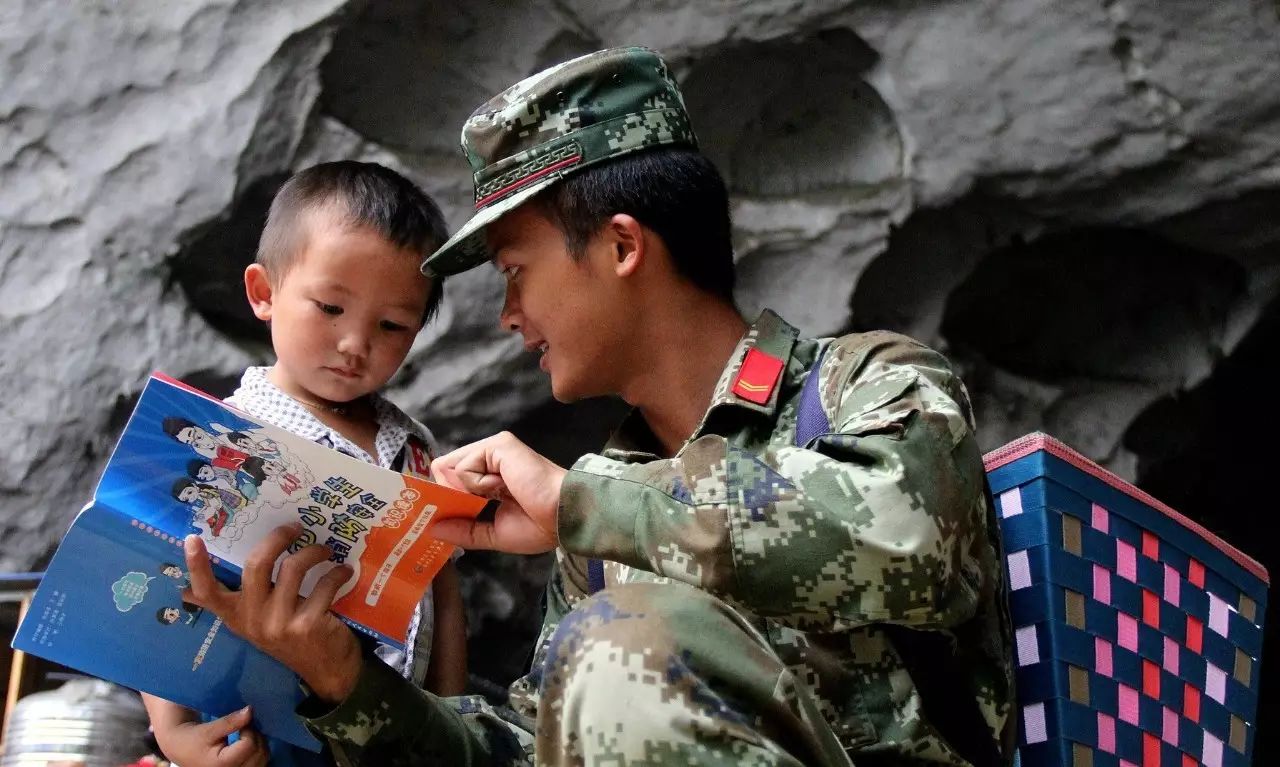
column 629, row 245
column 257, row 288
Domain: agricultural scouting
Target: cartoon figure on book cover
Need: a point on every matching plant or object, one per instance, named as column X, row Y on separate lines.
column 132, row 588
column 179, row 576
column 237, row 472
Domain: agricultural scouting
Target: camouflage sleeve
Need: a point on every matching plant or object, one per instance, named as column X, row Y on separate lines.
column 880, row 520
column 390, row 722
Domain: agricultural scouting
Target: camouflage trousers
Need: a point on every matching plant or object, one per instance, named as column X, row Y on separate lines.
column 660, row 674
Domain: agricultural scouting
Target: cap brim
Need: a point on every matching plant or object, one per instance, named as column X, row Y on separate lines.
column 466, row 249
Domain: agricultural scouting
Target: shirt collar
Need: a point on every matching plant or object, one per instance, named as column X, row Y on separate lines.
column 263, row 399
column 770, row 335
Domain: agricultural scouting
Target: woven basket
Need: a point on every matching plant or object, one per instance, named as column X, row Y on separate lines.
column 1138, row 632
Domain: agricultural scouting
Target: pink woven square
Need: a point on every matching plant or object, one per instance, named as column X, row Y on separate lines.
column 1172, row 586
column 1170, row 729
column 1011, row 503
column 1102, row 657
column 1126, row 561
column 1019, row 570
column 1218, row 613
column 1102, row 584
column 1127, row 631
column 1033, row 722
column 1106, row 733
column 1101, row 520
column 1127, row 700
column 1028, row 645
column 1215, row 682
column 1171, row 653
column 1211, row 752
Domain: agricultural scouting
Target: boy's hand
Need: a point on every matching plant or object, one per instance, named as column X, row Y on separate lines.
column 300, row 633
column 197, row 744
column 527, row 485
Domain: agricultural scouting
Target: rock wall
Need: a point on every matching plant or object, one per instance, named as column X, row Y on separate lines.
column 1075, row 199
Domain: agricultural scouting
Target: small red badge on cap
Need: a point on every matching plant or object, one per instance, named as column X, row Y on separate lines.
column 757, row 377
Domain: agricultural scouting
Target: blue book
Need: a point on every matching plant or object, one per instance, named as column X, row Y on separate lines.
column 111, row 602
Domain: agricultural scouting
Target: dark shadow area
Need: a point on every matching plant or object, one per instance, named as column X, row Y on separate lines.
column 784, row 118
column 404, row 73
column 1208, row 453
column 210, row 264
column 503, row 592
column 1102, row 303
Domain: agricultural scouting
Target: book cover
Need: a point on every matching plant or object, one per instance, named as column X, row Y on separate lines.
column 110, row 602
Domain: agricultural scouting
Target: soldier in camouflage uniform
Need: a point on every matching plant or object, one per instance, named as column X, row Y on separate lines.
column 729, row 588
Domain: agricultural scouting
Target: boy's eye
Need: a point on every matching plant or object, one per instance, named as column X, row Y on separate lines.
column 328, row 308
column 394, row 327
column 511, row 272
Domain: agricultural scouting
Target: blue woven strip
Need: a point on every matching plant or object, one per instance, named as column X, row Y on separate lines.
column 1061, row 645
column 1088, row 489
column 1043, row 605
column 1080, row 724
column 811, row 419
column 1055, row 565
column 1027, row 530
column 595, row 575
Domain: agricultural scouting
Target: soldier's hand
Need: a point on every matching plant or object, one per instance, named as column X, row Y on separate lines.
column 300, row 633
column 526, row 485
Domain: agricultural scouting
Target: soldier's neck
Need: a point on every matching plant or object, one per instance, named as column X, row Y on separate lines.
column 683, row 365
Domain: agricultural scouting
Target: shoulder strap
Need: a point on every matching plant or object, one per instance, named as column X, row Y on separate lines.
column 928, row 655
column 595, row 575
column 811, row 418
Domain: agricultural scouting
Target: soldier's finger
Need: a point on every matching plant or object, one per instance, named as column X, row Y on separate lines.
column 466, row 533
column 293, row 570
column 205, row 590
column 473, row 457
column 326, row 589
column 255, row 581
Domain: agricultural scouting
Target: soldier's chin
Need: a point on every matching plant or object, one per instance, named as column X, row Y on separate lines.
column 566, row 389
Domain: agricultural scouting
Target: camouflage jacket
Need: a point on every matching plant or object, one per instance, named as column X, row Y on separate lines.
column 881, row 521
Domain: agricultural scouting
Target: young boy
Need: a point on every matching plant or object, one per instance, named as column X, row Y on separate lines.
column 337, row 279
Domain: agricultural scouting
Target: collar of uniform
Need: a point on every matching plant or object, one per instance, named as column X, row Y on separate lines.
column 634, row 441
column 770, row 335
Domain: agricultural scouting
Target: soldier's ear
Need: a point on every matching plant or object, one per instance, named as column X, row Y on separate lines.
column 258, row 289
column 628, row 243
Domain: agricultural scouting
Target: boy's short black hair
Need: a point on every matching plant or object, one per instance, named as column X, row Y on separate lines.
column 361, row 194
column 194, row 466
column 676, row 192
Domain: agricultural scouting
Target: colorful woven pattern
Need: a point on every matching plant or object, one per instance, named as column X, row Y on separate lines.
column 1138, row 632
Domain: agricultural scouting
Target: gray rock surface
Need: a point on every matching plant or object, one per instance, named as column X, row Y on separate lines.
column 1074, row 198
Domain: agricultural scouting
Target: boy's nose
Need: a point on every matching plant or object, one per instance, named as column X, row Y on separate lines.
column 354, row 343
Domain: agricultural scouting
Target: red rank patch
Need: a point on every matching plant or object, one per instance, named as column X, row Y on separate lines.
column 757, row 377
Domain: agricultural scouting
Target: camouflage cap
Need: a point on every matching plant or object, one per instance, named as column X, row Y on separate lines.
column 554, row 123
